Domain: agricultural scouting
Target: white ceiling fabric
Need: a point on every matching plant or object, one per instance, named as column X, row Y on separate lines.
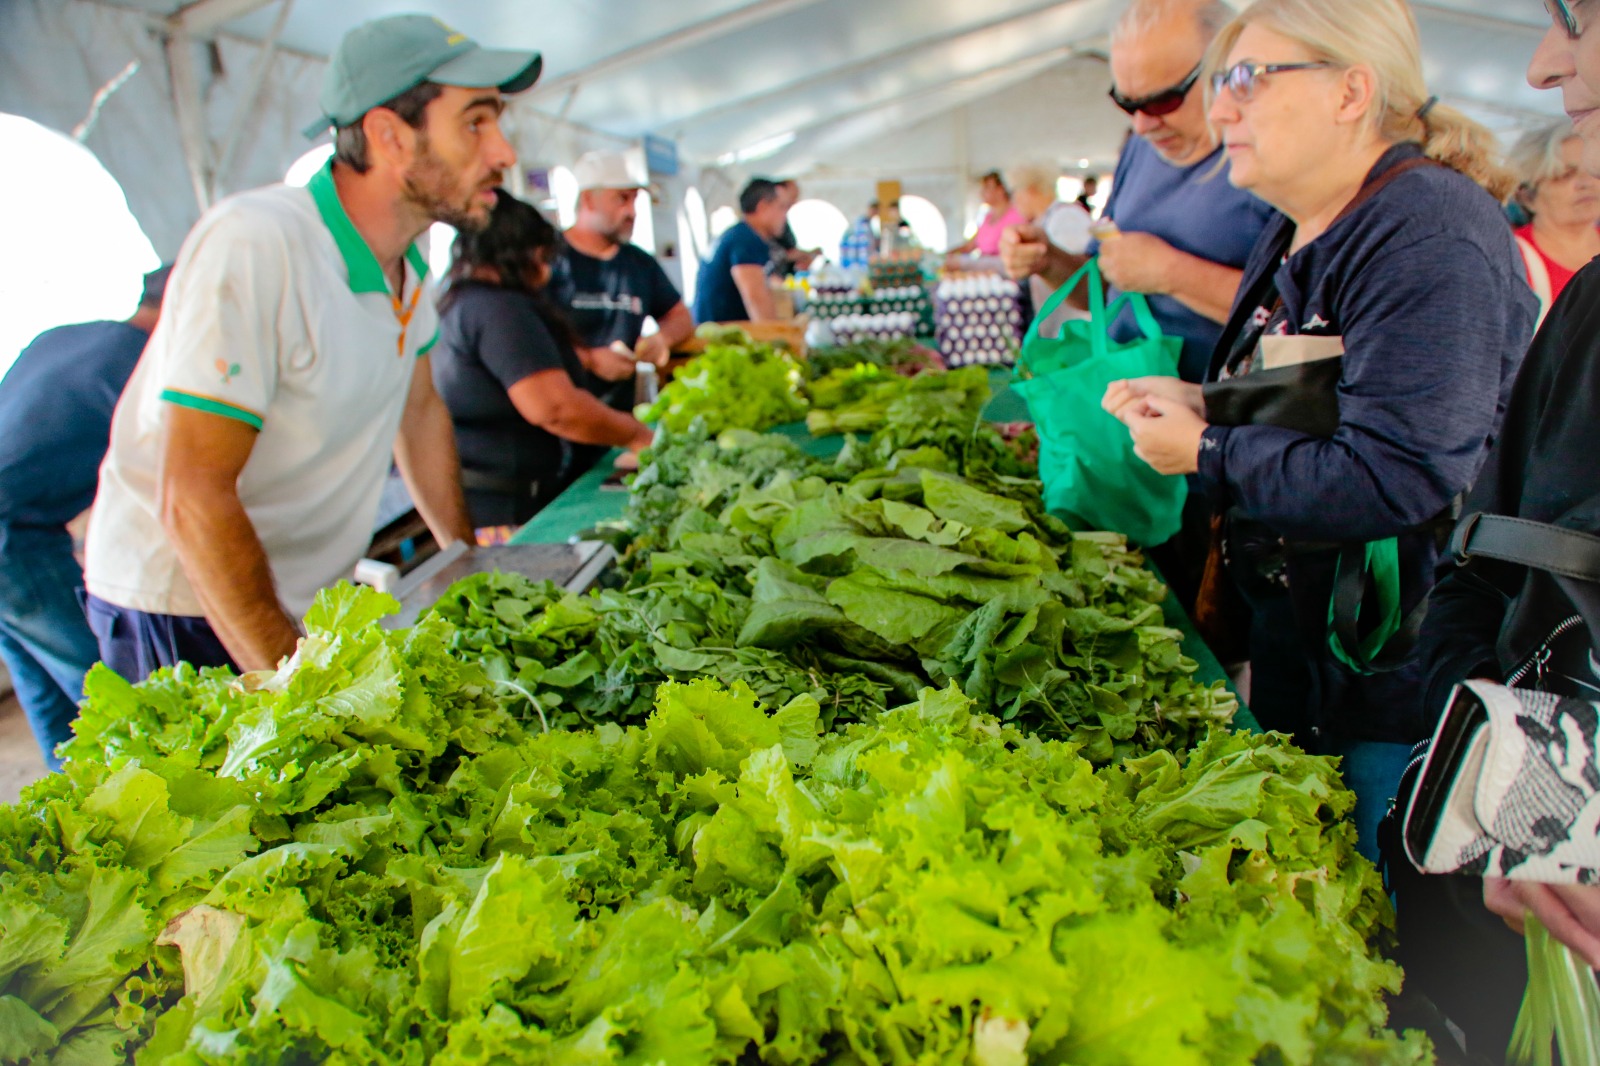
column 841, row 92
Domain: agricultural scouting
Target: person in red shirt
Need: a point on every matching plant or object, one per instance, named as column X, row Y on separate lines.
column 1564, row 201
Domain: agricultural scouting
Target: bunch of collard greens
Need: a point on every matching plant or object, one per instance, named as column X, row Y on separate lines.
column 568, row 661
column 362, row 859
column 919, row 557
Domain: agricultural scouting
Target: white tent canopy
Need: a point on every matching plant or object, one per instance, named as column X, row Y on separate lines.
column 202, row 99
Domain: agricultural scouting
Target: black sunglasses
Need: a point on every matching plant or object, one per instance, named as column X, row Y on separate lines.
column 1563, row 16
column 1158, row 104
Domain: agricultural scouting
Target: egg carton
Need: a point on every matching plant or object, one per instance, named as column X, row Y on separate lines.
column 848, row 329
column 979, row 320
column 889, row 274
column 913, row 301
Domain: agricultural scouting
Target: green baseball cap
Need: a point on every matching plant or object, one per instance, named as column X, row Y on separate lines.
column 379, row 60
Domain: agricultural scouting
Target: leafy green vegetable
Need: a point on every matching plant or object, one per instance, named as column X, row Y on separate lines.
column 1561, row 1006
column 918, row 557
column 864, row 398
column 991, row 818
column 735, row 383
column 716, row 884
column 901, row 355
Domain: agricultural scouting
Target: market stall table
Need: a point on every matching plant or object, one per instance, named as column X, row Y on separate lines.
column 598, row 496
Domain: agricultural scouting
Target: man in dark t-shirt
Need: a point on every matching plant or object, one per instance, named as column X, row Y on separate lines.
column 733, row 284
column 55, row 424
column 609, row 286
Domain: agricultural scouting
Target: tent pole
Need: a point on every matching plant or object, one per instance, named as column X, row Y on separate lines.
column 187, row 104
column 962, row 153
column 199, row 18
column 248, row 110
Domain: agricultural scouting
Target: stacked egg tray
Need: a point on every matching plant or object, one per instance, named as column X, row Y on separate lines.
column 895, row 273
column 978, row 323
column 844, row 311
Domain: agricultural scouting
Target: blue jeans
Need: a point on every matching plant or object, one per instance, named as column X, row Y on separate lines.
column 1371, row 770
column 44, row 638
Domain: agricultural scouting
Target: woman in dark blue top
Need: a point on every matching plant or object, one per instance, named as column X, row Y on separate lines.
column 1393, row 258
column 507, row 368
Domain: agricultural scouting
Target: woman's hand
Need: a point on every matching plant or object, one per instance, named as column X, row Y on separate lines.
column 1166, row 434
column 1125, row 395
column 1570, row 912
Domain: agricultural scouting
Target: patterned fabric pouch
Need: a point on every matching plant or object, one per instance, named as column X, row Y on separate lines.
column 1510, row 788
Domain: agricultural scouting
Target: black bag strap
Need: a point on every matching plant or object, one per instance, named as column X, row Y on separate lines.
column 1567, row 552
column 1351, row 582
column 1351, row 585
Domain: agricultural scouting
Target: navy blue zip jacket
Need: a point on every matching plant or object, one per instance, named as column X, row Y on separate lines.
column 1424, row 284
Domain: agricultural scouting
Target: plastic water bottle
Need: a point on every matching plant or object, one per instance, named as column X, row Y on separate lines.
column 649, row 386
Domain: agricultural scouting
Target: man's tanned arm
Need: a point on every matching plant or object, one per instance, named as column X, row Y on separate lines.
column 202, row 456
column 425, row 452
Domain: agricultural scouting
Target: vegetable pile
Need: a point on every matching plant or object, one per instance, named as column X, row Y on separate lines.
column 904, row 357
column 363, row 859
column 735, row 383
column 860, row 761
column 917, row 558
column 741, row 384
column 865, row 398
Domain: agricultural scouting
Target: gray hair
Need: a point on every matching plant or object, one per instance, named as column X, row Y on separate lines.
column 1142, row 16
column 1536, row 157
column 1040, row 177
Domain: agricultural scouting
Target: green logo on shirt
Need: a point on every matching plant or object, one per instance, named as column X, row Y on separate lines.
column 228, row 370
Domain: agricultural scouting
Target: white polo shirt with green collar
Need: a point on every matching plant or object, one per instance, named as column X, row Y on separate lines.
column 279, row 316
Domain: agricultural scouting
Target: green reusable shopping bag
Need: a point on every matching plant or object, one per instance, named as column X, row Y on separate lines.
column 1092, row 479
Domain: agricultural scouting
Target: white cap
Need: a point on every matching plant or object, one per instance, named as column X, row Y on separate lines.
column 604, row 170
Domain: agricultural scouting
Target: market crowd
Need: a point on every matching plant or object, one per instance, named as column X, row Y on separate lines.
column 1294, row 202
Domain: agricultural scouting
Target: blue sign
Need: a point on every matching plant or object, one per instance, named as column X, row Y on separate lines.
column 661, row 156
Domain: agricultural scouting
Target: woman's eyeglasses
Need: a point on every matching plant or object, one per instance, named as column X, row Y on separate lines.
column 1158, row 104
column 1243, row 79
column 1565, row 18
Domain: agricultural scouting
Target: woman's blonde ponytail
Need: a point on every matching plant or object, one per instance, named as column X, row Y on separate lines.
column 1451, row 138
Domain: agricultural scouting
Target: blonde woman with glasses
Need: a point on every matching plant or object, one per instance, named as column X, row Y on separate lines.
column 1391, row 297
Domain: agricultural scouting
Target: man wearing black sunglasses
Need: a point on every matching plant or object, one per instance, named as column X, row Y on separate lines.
column 1182, row 232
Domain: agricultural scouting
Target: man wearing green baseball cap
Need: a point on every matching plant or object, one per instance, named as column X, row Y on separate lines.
column 251, row 445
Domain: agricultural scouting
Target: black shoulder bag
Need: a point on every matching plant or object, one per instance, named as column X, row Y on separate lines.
column 1462, row 806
